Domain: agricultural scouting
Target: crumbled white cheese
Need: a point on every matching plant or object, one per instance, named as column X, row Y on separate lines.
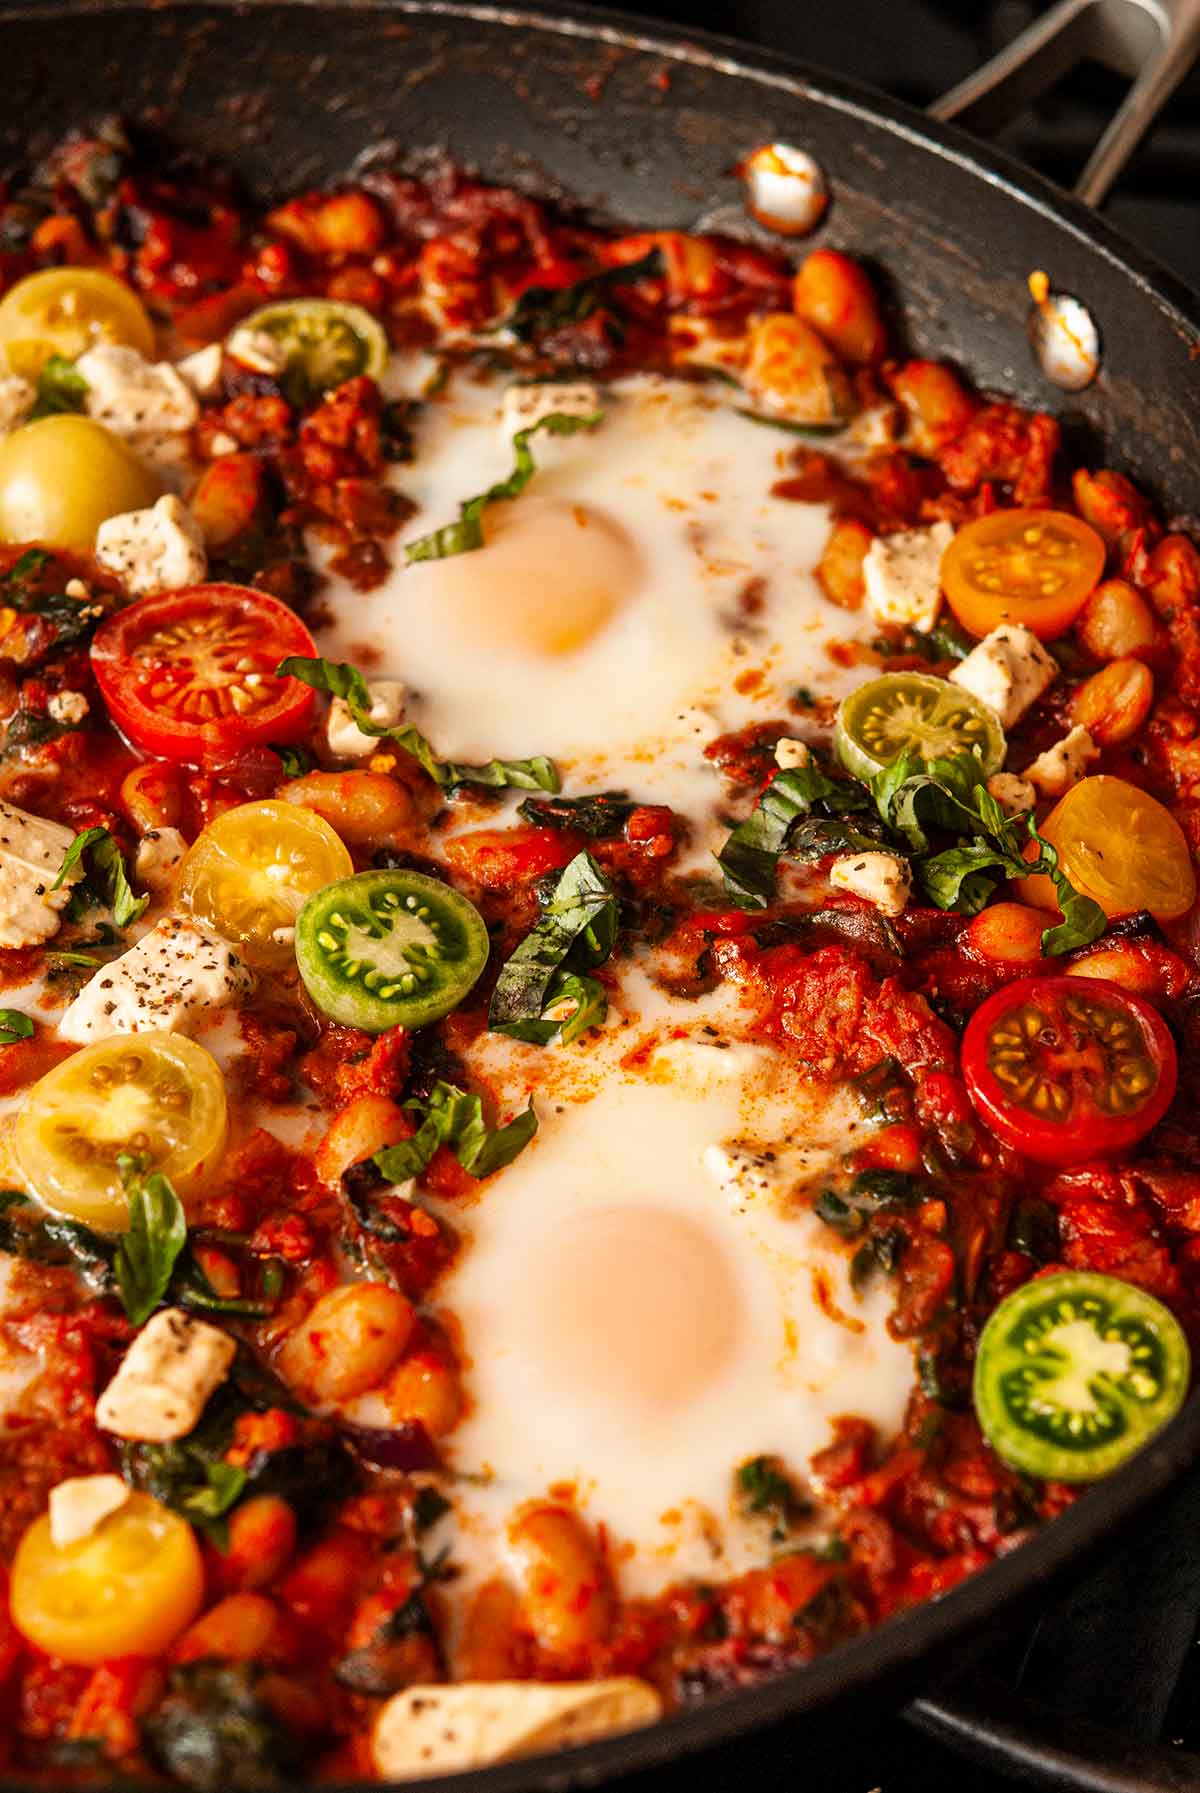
column 159, row 856
column 160, row 549
column 165, row 1378
column 880, row 878
column 1008, row 670
column 258, row 350
column 791, row 755
column 902, row 576
column 75, row 588
column 436, row 1729
column 346, row 740
column 170, row 456
column 1062, row 766
column 16, row 402
column 202, row 370
column 81, row 1503
column 31, row 854
column 526, row 405
column 132, row 396
column 1016, row 796
column 222, row 443
column 67, row 706
column 172, row 978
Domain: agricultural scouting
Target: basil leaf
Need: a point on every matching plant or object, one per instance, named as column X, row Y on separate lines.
column 222, row 1489
column 599, row 817
column 295, row 761
column 453, row 1118
column 573, row 1004
column 541, row 310
column 467, row 533
column 750, row 856
column 147, row 1253
column 47, row 1239
column 575, row 932
column 60, row 388
column 1082, row 919
column 338, row 679
column 14, row 1026
column 956, row 878
column 793, row 429
column 105, row 876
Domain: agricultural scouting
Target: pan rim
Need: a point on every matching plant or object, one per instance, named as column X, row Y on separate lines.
column 923, row 1630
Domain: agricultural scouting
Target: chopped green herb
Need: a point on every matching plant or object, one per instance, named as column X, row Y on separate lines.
column 783, row 821
column 542, row 990
column 541, row 310
column 466, row 534
column 339, row 679
column 599, row 817
column 14, row 1026
column 146, row 1255
column 105, row 876
column 764, row 1488
column 451, row 1117
column 792, row 429
column 60, row 388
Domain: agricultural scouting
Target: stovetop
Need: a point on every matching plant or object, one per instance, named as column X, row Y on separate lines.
column 1101, row 1651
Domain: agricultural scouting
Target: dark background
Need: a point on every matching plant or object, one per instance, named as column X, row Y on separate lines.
column 917, row 49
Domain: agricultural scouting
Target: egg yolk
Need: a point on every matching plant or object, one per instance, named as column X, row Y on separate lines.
column 632, row 1307
column 549, row 577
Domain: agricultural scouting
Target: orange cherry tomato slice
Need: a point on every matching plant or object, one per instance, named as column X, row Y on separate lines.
column 1068, row 1068
column 190, row 675
column 1033, row 567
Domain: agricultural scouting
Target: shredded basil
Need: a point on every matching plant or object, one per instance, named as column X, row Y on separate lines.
column 339, row 679
column 105, row 876
column 599, row 817
column 467, row 533
column 913, row 796
column 782, row 819
column 147, row 1253
column 792, row 429
column 541, row 310
column 452, row 1117
column 14, row 1026
column 60, row 388
column 542, row 989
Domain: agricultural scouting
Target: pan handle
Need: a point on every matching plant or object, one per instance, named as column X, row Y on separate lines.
column 1153, row 42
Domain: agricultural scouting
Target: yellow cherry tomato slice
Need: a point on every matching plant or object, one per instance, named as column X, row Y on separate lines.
column 127, row 1589
column 62, row 476
column 252, row 871
column 1036, row 568
column 158, row 1095
column 1119, row 846
column 63, row 311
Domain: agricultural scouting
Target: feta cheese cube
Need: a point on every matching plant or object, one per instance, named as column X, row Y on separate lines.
column 435, row 1729
column 1063, row 765
column 160, row 549
column 132, row 396
column 258, row 350
column 880, row 878
column 202, row 370
column 1016, row 796
column 346, row 740
column 902, row 576
column 1008, row 670
column 175, row 976
column 526, row 405
column 16, row 402
column 158, row 858
column 165, row 1378
column 791, row 755
column 67, row 706
column 81, row 1503
column 31, row 854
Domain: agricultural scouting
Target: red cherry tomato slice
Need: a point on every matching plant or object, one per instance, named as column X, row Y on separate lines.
column 190, row 675
column 1064, row 1069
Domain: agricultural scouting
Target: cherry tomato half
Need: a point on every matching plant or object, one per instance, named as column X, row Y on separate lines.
column 1037, row 568
column 190, row 675
column 1119, row 846
column 1068, row 1068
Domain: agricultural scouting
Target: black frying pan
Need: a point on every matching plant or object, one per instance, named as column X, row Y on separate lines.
column 643, row 127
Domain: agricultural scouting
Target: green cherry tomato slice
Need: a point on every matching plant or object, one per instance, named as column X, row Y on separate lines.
column 1074, row 1373
column 888, row 715
column 389, row 949
column 326, row 342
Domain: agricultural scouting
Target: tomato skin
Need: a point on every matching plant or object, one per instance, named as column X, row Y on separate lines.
column 1086, row 1131
column 167, row 666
